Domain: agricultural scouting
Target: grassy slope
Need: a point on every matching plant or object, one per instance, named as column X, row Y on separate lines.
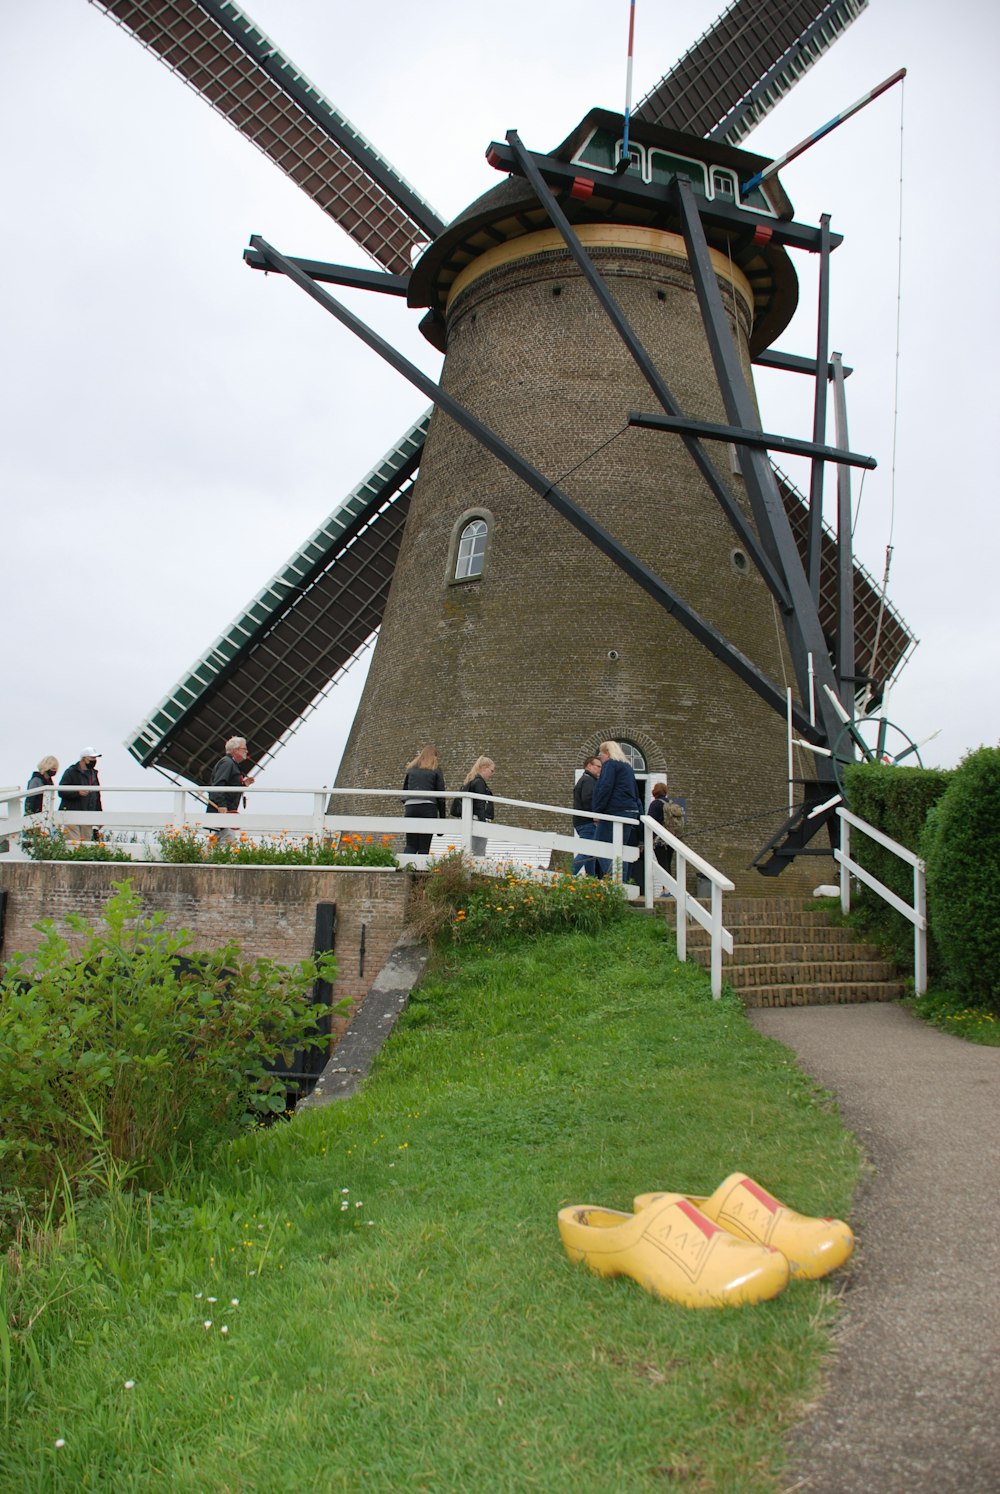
column 449, row 1344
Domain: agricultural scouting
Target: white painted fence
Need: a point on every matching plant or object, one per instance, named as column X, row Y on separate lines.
column 916, row 911
column 507, row 841
column 686, row 905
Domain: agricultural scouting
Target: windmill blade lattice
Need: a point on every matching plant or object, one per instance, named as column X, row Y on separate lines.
column 223, row 56
column 744, row 64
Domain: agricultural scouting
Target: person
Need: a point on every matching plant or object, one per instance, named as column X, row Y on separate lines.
column 422, row 776
column 82, row 794
column 584, row 825
column 229, row 774
column 477, row 782
column 42, row 777
column 671, row 816
column 616, row 792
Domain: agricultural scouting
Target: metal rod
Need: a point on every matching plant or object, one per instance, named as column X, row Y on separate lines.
column 845, row 548
column 720, row 647
column 739, row 436
column 831, row 124
column 815, row 539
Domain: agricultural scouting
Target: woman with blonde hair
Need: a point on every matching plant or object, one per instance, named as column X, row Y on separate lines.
column 476, row 782
column 423, row 777
column 42, row 777
column 616, row 792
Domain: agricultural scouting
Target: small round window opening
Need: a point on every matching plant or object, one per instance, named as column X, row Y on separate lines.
column 471, row 550
column 739, row 560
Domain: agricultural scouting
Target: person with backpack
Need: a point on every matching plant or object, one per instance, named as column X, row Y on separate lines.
column 477, row 782
column 422, row 776
column 43, row 776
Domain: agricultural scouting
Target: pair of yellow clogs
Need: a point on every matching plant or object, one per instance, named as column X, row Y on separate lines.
column 735, row 1248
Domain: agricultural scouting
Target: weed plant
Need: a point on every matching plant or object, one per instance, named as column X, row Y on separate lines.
column 955, row 1015
column 126, row 1052
column 375, row 1295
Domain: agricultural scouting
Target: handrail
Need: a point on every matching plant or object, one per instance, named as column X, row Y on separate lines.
column 318, row 823
column 916, row 912
column 686, row 905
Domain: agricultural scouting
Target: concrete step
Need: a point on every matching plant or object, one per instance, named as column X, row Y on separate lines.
column 827, row 994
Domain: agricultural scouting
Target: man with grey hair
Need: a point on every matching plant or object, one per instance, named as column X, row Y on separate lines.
column 229, row 774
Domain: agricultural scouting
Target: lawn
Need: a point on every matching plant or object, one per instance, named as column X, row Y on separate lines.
column 374, row 1296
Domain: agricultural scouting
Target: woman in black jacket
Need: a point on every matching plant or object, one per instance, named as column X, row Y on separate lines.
column 422, row 776
column 42, row 777
column 476, row 782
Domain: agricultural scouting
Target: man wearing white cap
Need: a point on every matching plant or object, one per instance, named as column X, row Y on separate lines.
column 84, row 795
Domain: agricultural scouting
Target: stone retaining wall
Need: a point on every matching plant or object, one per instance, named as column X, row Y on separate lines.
column 269, row 911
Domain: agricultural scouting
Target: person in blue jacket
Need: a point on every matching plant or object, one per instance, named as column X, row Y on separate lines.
column 616, row 792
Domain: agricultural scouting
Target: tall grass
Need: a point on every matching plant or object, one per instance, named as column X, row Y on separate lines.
column 398, row 1311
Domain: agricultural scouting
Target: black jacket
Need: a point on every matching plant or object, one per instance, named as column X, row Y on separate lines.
column 33, row 804
column 86, row 777
column 583, row 795
column 423, row 780
column 228, row 774
column 480, row 810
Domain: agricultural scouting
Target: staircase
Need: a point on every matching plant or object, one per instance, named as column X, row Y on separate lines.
column 787, row 952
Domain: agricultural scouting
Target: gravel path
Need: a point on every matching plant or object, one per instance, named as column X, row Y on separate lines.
column 912, row 1401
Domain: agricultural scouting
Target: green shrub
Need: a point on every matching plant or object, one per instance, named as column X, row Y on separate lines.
column 52, row 845
column 188, row 845
column 129, row 1052
column 962, row 847
column 896, row 801
column 460, row 906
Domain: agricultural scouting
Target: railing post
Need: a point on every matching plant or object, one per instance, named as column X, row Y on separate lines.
column 648, row 861
column 320, row 801
column 467, row 826
column 617, row 846
column 845, row 876
column 681, row 874
column 180, row 805
column 920, row 928
column 716, row 941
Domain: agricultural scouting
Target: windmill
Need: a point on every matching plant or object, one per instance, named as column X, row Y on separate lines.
column 722, row 741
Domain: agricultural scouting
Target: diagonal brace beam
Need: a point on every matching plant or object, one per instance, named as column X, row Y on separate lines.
column 802, row 624
column 700, row 628
column 736, row 435
column 648, row 369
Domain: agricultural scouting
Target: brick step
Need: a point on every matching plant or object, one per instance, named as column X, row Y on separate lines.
column 771, row 904
column 766, row 933
column 797, row 973
column 833, row 993
column 808, row 953
column 788, row 918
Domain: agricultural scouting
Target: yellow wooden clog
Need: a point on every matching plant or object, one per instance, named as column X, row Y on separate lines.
column 813, row 1247
column 674, row 1251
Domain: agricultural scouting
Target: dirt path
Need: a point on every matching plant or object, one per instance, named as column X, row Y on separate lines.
column 912, row 1404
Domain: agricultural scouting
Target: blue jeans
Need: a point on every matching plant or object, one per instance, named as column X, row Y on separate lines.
column 589, row 864
column 631, row 836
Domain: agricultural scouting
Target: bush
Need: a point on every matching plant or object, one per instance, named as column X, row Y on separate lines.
column 190, row 845
column 896, row 801
column 460, row 906
column 129, row 1051
column 52, row 845
column 962, row 848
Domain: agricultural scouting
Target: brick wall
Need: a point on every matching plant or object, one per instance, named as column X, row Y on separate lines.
column 268, row 911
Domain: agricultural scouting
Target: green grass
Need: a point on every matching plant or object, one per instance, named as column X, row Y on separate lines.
column 432, row 1335
column 953, row 1014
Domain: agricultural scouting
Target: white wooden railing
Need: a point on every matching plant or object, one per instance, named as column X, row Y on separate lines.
column 916, row 911
column 686, row 905
column 185, row 811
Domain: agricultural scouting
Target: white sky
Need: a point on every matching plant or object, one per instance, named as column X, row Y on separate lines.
column 173, row 426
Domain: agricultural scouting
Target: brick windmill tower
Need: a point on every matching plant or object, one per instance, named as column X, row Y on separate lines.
column 546, row 570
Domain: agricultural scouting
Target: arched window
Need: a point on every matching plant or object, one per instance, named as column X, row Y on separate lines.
column 633, row 756
column 471, row 550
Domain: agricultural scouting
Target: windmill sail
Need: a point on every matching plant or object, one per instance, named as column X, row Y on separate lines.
column 222, row 56
column 297, row 638
column 744, row 64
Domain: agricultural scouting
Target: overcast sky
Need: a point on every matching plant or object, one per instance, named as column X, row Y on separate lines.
column 175, row 425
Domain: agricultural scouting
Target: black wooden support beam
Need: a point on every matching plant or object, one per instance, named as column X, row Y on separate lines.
column 739, row 436
column 720, row 647
column 350, row 275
